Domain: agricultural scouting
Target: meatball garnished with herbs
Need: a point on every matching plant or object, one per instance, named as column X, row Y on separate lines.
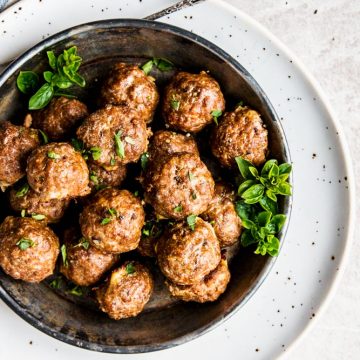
column 128, row 85
column 187, row 254
column 127, row 291
column 84, row 265
column 191, row 101
column 113, row 220
column 28, row 249
column 16, row 144
column 60, row 117
column 240, row 133
column 57, row 171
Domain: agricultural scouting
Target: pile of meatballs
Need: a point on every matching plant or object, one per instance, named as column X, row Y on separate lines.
column 182, row 219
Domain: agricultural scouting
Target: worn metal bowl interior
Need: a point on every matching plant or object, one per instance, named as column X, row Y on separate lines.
column 164, row 323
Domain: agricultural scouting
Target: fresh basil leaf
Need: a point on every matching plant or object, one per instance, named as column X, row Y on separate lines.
column 163, row 64
column 146, row 68
column 267, row 167
column 278, row 221
column 253, row 192
column 95, row 152
column 243, row 166
column 247, row 224
column 52, row 59
column 244, row 211
column 178, row 208
column 268, row 204
column 263, row 218
column 270, row 194
column 27, row 81
column 245, row 185
column 61, row 81
column 284, row 189
column 247, row 239
column 76, row 78
column 254, row 172
column 56, row 283
column 42, row 97
column 48, row 76
column 285, row 168
column 274, row 171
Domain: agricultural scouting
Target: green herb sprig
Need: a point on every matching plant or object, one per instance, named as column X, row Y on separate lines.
column 63, row 74
column 130, row 268
column 191, row 221
column 112, row 215
column 25, row 243
column 257, row 206
column 216, row 114
column 160, row 63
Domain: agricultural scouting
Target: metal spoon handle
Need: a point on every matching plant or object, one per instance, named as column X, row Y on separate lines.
column 176, row 7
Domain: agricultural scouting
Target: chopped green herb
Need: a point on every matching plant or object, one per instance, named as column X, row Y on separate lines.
column 53, row 155
column 193, row 195
column 44, row 137
column 119, row 145
column 146, row 68
column 240, row 103
column 144, row 160
column 191, row 220
column 112, row 212
column 216, row 114
column 64, row 255
column 77, row 291
column 105, row 221
column 77, row 144
column 136, row 193
column 130, row 268
column 94, row 178
column 112, row 161
column 95, row 152
column 38, row 217
column 175, row 104
column 23, row 213
column 178, row 208
column 84, row 243
column 56, row 283
column 191, row 176
column 25, row 243
column 160, row 63
column 22, row 190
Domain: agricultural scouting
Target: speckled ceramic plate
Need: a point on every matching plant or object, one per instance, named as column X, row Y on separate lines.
column 313, row 255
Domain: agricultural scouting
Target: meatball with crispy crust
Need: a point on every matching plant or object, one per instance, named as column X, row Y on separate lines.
column 178, row 186
column 130, row 86
column 85, row 265
column 186, row 255
column 240, row 133
column 208, row 289
column 189, row 101
column 118, row 134
column 101, row 178
column 165, row 143
column 57, row 171
column 60, row 117
column 16, row 144
column 26, row 199
column 222, row 215
column 28, row 249
column 126, row 292
column 113, row 220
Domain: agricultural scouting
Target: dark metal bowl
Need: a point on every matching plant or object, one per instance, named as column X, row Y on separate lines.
column 165, row 322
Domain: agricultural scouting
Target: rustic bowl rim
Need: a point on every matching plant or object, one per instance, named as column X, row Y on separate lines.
column 200, row 41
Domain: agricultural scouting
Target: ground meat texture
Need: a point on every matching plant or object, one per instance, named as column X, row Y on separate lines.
column 101, row 178
column 222, row 215
column 240, row 133
column 16, row 144
column 57, row 171
column 28, row 249
column 178, row 186
column 126, row 292
column 85, row 264
column 32, row 203
column 150, row 234
column 100, row 128
column 165, row 143
column 190, row 99
column 208, row 289
column 60, row 117
column 130, row 86
column 113, row 221
column 186, row 256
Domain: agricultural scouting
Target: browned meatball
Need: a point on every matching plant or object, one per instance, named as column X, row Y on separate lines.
column 128, row 85
column 101, row 178
column 117, row 132
column 208, row 289
column 150, row 235
column 84, row 265
column 57, row 171
column 60, row 117
column 240, row 133
column 28, row 249
column 185, row 255
column 178, row 186
column 16, row 144
column 113, row 221
column 33, row 205
column 126, row 292
column 165, row 143
column 222, row 215
column 189, row 101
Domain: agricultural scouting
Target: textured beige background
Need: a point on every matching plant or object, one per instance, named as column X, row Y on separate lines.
column 327, row 41
column 325, row 35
